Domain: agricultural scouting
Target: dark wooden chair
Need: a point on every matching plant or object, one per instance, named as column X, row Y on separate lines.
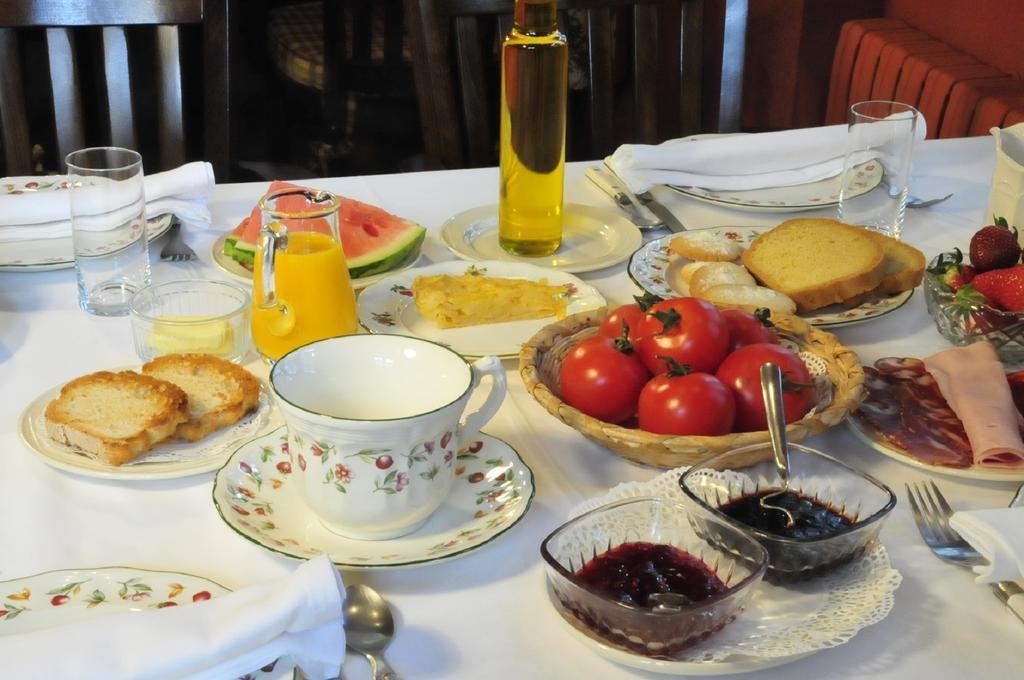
column 647, row 77
column 107, row 78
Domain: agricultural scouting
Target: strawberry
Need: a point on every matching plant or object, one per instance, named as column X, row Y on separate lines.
column 1003, row 287
column 950, row 271
column 994, row 247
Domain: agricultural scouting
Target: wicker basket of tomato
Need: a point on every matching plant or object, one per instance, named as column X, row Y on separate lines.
column 679, row 382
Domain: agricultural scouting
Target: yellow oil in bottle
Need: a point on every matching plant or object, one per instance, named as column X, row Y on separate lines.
column 534, row 88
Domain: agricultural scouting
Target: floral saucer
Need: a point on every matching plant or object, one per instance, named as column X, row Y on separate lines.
column 52, row 253
column 388, row 307
column 55, row 598
column 256, row 497
column 653, row 269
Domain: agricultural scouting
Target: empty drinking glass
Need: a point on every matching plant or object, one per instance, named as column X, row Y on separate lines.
column 108, row 227
column 880, row 140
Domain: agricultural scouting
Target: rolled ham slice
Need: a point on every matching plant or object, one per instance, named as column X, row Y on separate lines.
column 974, row 384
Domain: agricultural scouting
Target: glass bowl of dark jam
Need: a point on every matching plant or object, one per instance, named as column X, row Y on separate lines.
column 636, row 574
column 828, row 515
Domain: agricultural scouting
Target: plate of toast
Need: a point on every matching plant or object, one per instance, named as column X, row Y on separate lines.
column 175, row 416
column 829, row 273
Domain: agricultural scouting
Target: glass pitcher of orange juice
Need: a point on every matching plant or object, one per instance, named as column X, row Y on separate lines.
column 301, row 287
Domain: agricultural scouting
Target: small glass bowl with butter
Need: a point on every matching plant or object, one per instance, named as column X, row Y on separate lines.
column 193, row 316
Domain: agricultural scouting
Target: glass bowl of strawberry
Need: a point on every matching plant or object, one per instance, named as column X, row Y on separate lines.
column 983, row 300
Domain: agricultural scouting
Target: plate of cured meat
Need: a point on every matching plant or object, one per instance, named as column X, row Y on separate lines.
column 953, row 413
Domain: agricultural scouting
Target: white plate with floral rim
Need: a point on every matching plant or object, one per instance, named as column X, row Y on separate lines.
column 820, row 194
column 781, row 623
column 167, row 460
column 592, row 238
column 388, row 307
column 256, row 496
column 655, row 270
column 231, row 266
column 65, row 596
column 868, row 435
column 53, row 253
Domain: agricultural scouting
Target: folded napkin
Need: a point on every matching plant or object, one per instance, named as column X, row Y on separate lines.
column 299, row 615
column 999, row 536
column 973, row 382
column 741, row 162
column 47, row 214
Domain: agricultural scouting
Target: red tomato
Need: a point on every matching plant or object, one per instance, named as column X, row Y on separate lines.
column 741, row 372
column 631, row 315
column 688, row 330
column 690, row 404
column 602, row 380
column 748, row 329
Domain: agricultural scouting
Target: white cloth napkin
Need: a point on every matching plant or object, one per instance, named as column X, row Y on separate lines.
column 299, row 615
column 182, row 191
column 998, row 535
column 740, row 162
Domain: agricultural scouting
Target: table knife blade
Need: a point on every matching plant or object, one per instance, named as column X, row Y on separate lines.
column 607, row 182
column 648, row 200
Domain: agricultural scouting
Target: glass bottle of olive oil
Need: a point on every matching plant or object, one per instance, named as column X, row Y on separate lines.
column 534, row 88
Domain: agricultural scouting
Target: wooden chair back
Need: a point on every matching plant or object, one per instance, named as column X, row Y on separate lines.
column 655, row 92
column 93, row 80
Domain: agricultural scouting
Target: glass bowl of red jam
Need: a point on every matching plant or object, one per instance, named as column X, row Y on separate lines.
column 828, row 515
column 637, row 575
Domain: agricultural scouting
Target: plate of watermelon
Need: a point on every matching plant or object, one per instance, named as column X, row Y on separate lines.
column 376, row 243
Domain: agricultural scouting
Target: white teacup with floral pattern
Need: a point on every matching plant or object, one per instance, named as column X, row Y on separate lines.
column 374, row 426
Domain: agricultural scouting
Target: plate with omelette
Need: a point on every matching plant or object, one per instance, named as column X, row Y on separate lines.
column 479, row 309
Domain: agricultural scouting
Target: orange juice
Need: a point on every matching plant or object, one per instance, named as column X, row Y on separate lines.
column 312, row 284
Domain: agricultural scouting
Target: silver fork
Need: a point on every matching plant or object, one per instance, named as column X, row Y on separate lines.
column 176, row 250
column 931, row 514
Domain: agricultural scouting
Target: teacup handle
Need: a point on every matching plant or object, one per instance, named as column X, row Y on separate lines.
column 474, row 421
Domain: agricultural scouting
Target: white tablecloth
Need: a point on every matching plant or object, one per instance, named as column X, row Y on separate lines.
column 487, row 614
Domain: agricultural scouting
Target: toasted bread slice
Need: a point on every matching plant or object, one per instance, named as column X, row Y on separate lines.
column 904, row 268
column 220, row 393
column 116, row 417
column 705, row 246
column 750, row 298
column 816, row 262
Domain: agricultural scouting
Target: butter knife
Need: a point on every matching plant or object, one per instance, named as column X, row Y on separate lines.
column 647, row 200
column 610, row 184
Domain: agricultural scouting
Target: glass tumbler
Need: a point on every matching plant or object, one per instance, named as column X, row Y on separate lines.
column 882, row 133
column 108, row 228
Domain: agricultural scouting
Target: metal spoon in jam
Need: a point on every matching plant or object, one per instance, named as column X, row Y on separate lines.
column 771, row 392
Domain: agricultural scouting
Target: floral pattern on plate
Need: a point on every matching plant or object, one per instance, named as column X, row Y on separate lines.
column 389, row 307
column 820, row 194
column 256, row 497
column 59, row 597
column 54, row 253
column 652, row 268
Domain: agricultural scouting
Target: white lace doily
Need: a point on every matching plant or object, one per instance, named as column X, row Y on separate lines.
column 785, row 620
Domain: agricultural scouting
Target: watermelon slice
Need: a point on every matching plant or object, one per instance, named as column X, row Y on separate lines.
column 373, row 239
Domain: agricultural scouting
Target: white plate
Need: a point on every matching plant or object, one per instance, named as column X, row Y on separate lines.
column 58, row 253
column 781, row 623
column 592, row 238
column 235, row 269
column 865, row 434
column 388, row 307
column 67, row 595
column 654, row 269
column 255, row 495
column 166, row 461
column 820, row 194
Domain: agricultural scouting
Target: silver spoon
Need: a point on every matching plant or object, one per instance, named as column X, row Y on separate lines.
column 771, row 392
column 369, row 628
column 915, row 202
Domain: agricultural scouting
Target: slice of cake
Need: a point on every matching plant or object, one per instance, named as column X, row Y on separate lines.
column 468, row 300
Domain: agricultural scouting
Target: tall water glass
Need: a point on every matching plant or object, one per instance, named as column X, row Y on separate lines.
column 108, row 228
column 880, row 146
